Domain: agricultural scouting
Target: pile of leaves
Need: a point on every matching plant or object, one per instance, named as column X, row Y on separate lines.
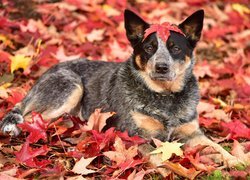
column 36, row 34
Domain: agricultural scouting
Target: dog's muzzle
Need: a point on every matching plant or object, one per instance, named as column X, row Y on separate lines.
column 162, row 73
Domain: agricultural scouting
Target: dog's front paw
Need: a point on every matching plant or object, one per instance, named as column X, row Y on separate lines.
column 8, row 125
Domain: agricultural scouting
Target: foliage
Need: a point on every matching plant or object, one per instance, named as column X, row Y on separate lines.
column 36, row 34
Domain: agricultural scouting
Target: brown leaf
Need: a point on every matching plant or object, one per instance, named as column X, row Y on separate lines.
column 97, row 120
column 180, row 170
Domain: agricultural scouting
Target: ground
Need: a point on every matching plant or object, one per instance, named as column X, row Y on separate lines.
column 36, row 34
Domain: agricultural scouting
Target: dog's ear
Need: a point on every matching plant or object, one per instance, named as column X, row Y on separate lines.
column 192, row 27
column 135, row 27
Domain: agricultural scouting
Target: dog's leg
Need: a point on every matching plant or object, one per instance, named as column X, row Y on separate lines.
column 54, row 94
column 193, row 135
column 148, row 127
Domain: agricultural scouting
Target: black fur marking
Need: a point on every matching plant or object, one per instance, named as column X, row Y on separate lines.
column 135, row 27
column 192, row 27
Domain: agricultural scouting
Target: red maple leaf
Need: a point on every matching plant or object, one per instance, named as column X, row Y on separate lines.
column 131, row 164
column 27, row 155
column 130, row 140
column 37, row 128
column 236, row 129
column 163, row 30
column 15, row 97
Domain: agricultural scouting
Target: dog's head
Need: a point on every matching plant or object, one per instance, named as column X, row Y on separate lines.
column 164, row 63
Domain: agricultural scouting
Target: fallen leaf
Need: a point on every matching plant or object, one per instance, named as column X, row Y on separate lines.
column 121, row 154
column 140, row 175
column 238, row 174
column 128, row 140
column 27, row 155
column 97, row 120
column 76, row 178
column 110, row 11
column 130, row 164
column 204, row 69
column 15, row 97
column 80, row 167
column 19, row 61
column 95, row 35
column 205, row 107
column 62, row 57
column 182, row 171
column 218, row 114
column 241, row 8
column 239, row 151
column 37, row 128
column 236, row 129
column 168, row 149
column 6, row 41
column 117, row 51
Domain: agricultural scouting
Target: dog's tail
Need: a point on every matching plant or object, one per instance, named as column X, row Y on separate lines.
column 8, row 125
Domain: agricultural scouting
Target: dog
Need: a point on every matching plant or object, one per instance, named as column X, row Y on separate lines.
column 154, row 93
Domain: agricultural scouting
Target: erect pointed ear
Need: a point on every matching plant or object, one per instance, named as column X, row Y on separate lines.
column 135, row 27
column 192, row 27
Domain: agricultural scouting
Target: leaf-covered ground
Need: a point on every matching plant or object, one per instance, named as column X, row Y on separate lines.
column 36, row 34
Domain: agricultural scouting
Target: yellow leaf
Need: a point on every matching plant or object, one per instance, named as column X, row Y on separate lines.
column 5, row 86
column 167, row 149
column 6, row 41
column 220, row 102
column 110, row 11
column 19, row 61
column 241, row 8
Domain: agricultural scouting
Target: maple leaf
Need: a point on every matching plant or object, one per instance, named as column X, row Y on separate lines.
column 218, row 114
column 80, row 167
column 130, row 140
column 4, row 56
column 6, row 41
column 9, row 174
column 27, row 155
column 19, row 61
column 179, row 169
column 37, row 128
column 140, row 175
column 110, row 11
column 15, row 97
column 92, row 145
column 239, row 174
column 163, row 30
column 236, row 129
column 62, row 57
column 97, row 120
column 241, row 8
column 121, row 154
column 130, row 164
column 238, row 151
column 95, row 35
column 167, row 149
column 205, row 107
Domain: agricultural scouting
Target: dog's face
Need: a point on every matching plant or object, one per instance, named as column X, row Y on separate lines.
column 163, row 63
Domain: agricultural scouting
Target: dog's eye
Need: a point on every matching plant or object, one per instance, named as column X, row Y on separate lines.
column 176, row 50
column 149, row 49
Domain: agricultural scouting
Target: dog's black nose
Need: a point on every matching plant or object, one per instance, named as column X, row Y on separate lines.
column 161, row 68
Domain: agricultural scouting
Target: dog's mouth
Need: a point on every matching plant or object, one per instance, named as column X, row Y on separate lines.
column 162, row 77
